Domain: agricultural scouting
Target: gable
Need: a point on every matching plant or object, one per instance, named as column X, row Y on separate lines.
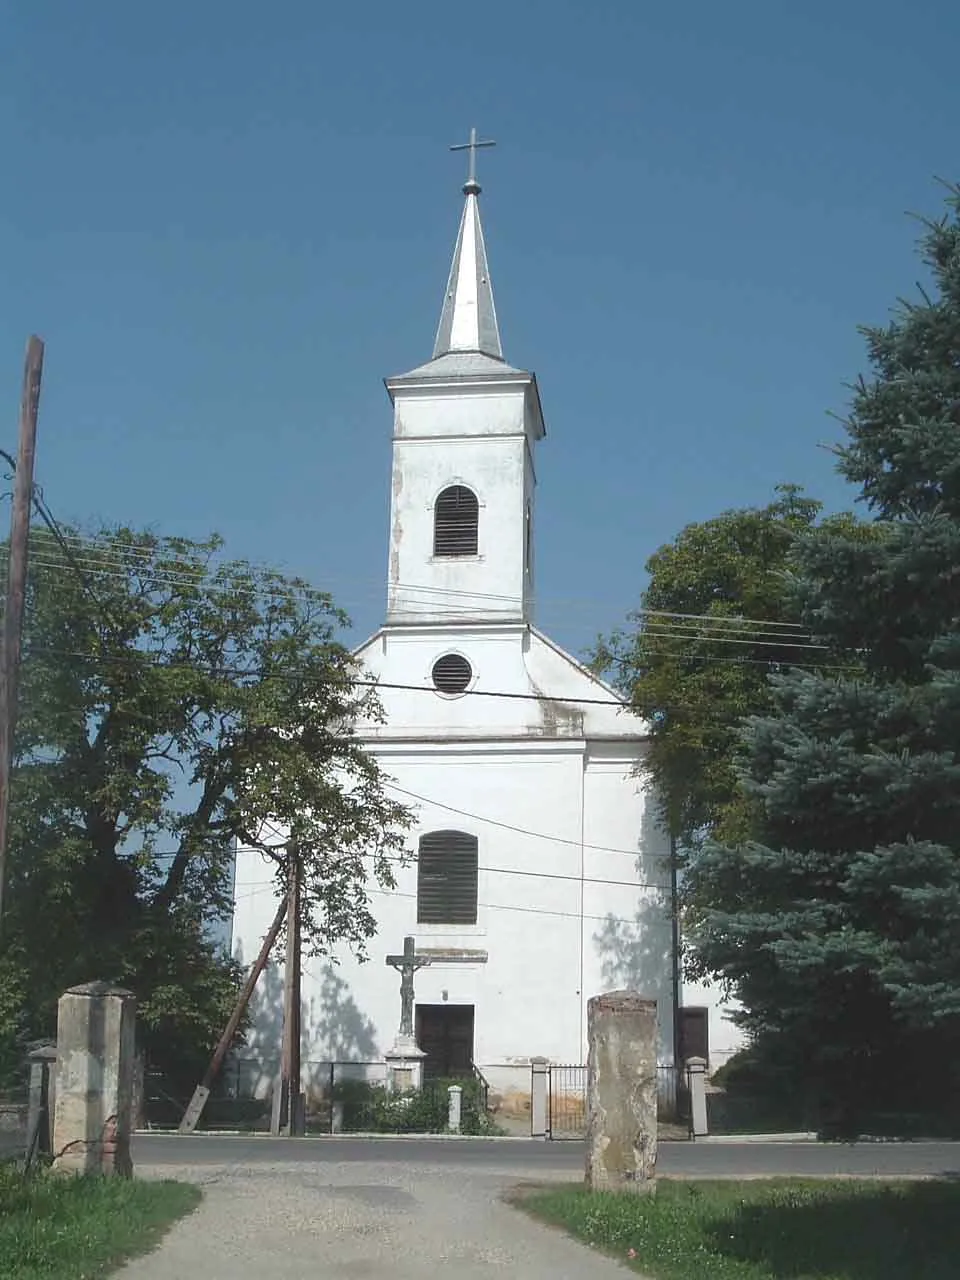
column 523, row 685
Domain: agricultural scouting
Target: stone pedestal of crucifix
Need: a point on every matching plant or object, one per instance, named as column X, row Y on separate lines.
column 405, row 1059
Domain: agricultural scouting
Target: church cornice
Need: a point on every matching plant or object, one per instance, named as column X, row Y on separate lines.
column 405, row 386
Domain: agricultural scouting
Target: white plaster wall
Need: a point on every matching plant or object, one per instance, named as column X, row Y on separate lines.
column 481, row 438
column 554, row 931
column 462, row 409
column 542, row 772
column 526, row 996
column 627, row 930
column 488, row 585
column 515, row 660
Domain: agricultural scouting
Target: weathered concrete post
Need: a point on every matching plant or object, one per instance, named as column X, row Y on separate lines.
column 621, row 1092
column 336, row 1117
column 539, row 1100
column 41, row 1102
column 455, row 1094
column 697, row 1079
column 96, row 1026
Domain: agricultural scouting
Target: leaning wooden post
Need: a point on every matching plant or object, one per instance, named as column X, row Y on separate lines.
column 202, row 1092
column 621, row 1092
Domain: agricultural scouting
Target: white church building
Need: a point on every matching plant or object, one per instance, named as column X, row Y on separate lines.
column 538, row 874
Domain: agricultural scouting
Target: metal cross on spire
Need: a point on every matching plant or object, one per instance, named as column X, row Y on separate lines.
column 472, row 186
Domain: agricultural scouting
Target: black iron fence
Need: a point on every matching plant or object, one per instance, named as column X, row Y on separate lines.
column 339, row 1097
column 567, row 1098
column 13, row 1126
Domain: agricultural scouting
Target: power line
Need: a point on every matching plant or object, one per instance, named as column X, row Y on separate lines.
column 293, row 675
column 523, row 872
column 108, row 549
column 666, row 635
column 125, row 558
column 660, row 632
column 768, row 634
column 523, row 831
column 50, row 521
column 663, row 633
column 257, row 890
column 504, row 826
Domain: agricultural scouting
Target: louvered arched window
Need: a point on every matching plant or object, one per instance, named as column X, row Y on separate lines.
column 447, row 878
column 456, row 516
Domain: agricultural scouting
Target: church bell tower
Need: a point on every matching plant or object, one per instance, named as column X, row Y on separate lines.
column 466, row 425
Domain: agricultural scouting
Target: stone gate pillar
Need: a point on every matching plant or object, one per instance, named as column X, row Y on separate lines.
column 621, row 1092
column 94, row 1080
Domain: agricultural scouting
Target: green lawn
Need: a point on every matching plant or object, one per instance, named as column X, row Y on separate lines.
column 769, row 1230
column 64, row 1228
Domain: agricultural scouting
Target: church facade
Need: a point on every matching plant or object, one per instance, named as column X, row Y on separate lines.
column 538, row 874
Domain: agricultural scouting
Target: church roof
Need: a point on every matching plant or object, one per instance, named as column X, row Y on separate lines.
column 468, row 319
column 468, row 336
column 468, row 346
column 463, row 364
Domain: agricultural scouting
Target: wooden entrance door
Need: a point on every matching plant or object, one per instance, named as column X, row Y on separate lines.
column 445, row 1034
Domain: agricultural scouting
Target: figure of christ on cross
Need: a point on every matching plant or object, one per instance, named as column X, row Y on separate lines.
column 407, row 965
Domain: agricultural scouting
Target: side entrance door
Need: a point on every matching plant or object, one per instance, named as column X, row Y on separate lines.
column 445, row 1034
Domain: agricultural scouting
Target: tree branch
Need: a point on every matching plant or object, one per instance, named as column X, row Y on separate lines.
column 200, row 820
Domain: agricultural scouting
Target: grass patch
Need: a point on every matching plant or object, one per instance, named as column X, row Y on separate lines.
column 54, row 1227
column 781, row 1229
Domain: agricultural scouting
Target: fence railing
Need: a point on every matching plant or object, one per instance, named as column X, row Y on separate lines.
column 567, row 1098
column 339, row 1096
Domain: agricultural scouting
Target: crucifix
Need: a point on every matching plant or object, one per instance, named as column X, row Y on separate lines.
column 472, row 146
column 407, row 965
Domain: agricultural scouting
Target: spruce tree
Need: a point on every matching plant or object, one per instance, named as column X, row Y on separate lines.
column 839, row 929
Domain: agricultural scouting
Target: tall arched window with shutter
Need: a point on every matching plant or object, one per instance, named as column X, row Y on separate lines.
column 456, row 517
column 447, row 878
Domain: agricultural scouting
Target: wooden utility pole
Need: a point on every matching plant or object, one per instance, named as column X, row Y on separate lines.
column 17, row 585
column 287, row 1114
column 202, row 1092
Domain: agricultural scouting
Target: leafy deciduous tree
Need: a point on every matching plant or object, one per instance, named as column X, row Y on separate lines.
column 172, row 705
column 716, row 618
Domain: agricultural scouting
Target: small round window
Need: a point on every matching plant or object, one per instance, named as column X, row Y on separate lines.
column 451, row 673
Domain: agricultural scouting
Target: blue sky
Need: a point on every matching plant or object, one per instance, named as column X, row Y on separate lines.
column 230, row 221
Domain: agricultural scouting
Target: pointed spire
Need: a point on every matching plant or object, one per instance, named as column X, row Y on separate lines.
column 468, row 321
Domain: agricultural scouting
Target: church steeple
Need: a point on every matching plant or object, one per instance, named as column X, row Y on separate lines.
column 465, row 428
column 468, row 320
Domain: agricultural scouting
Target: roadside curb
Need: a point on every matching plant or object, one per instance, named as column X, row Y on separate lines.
column 341, row 1137
column 737, row 1139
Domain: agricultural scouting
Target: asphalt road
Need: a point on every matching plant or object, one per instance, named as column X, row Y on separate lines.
column 553, row 1159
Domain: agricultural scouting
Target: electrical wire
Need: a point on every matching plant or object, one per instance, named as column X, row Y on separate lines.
column 407, row 859
column 124, row 558
column 293, row 675
column 523, row 831
column 267, row 886
column 411, row 860
column 106, row 550
column 704, row 634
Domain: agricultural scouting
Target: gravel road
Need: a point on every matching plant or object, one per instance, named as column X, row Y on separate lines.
column 361, row 1221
